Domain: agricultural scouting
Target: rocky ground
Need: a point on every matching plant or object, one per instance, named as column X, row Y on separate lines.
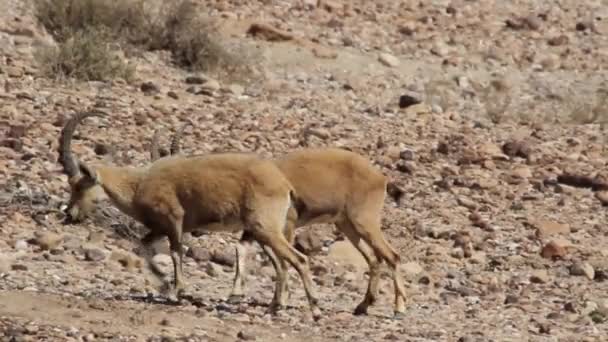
column 478, row 109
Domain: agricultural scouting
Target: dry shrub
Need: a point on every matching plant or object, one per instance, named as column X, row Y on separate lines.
column 194, row 42
column 495, row 98
column 440, row 92
column 124, row 19
column 85, row 55
column 595, row 112
column 176, row 26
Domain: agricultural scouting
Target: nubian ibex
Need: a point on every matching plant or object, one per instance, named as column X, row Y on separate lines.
column 177, row 194
column 334, row 186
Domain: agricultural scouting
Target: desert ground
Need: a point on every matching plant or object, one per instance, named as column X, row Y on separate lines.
column 488, row 114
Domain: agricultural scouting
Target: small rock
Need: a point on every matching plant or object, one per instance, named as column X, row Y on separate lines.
column 245, row 336
column 405, row 167
column 17, row 131
column 467, row 203
column 89, row 338
column 440, row 49
column 269, row 33
column 388, row 60
column 491, row 150
column 19, row 267
column 149, row 88
column 213, row 270
column 308, row 242
column 21, row 245
column 163, row 261
column 407, row 100
column 584, row 25
column 517, row 148
column 235, row 89
column 411, row 268
column 102, row 149
column 94, row 254
column 211, row 85
column 553, row 250
column 547, row 228
column 522, row 172
column 582, row 269
column 96, row 237
column 393, row 152
column 46, row 240
column 571, row 307
column 602, row 196
column 13, row 71
column 544, row 328
column 540, row 277
column 223, row 257
column 559, row 40
column 407, row 154
column 196, row 79
column 199, row 254
column 127, row 260
column 14, row 144
column 173, row 95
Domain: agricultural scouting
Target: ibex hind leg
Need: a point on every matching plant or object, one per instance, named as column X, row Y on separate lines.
column 241, row 252
column 366, row 219
column 146, row 243
column 371, row 294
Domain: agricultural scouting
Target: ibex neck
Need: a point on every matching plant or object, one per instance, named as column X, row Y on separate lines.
column 120, row 184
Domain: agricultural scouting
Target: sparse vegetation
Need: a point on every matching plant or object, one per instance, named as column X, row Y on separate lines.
column 91, row 25
column 496, row 98
column 86, row 55
column 594, row 112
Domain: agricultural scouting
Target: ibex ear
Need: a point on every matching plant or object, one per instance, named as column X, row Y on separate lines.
column 88, row 172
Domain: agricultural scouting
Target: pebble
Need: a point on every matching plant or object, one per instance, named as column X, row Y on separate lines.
column 582, row 269
column 388, row 60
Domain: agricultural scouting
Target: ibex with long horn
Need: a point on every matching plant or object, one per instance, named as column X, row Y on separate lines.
column 174, row 195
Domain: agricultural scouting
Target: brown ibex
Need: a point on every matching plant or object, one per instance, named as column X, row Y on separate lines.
column 334, row 186
column 176, row 194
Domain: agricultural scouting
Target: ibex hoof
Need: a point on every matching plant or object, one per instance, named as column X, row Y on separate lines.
column 274, row 309
column 360, row 310
column 172, row 297
column 398, row 316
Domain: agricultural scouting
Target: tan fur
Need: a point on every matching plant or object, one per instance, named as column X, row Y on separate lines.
column 177, row 194
column 340, row 187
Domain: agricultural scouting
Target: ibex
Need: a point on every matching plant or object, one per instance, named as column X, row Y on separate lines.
column 174, row 195
column 333, row 186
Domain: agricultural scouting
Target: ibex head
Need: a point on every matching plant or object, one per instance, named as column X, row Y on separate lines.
column 85, row 191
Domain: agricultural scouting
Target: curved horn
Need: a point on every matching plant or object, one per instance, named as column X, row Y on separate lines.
column 69, row 163
column 154, row 147
column 177, row 136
